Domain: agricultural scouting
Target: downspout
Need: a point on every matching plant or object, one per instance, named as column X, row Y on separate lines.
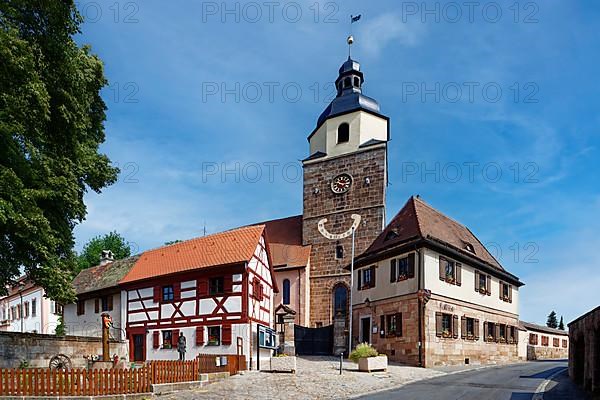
column 420, row 306
column 299, row 299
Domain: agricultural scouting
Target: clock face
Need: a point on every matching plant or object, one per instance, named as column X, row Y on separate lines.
column 341, row 183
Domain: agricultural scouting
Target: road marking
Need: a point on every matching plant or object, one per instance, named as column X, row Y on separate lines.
column 541, row 389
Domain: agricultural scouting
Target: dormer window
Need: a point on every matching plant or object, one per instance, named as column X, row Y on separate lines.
column 343, row 134
column 469, row 247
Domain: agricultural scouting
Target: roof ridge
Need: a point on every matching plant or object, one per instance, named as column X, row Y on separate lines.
column 212, row 235
column 441, row 213
column 413, row 198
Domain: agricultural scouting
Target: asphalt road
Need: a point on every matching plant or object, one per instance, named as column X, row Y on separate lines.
column 513, row 382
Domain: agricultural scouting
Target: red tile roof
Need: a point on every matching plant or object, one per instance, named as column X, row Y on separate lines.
column 418, row 220
column 229, row 247
column 285, row 242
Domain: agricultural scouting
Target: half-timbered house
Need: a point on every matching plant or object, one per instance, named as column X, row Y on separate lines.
column 215, row 290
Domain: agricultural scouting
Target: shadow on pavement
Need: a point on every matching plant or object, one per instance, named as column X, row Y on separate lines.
column 544, row 374
column 560, row 388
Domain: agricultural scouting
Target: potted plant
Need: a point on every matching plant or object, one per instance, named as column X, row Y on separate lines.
column 283, row 363
column 368, row 358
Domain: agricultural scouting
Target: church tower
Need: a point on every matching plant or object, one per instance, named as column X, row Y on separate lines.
column 345, row 179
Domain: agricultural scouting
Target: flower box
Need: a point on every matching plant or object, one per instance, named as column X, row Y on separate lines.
column 283, row 364
column 368, row 364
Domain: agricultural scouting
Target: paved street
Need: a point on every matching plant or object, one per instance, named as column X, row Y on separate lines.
column 513, row 382
column 318, row 378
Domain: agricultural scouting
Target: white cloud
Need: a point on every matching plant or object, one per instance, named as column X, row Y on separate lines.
column 379, row 32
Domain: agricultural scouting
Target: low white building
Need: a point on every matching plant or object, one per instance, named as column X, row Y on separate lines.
column 543, row 343
column 27, row 309
column 98, row 293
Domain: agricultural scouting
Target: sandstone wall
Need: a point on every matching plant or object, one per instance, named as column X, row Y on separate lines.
column 584, row 350
column 37, row 349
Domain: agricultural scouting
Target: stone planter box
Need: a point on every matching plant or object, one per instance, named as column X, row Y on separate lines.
column 283, row 364
column 369, row 364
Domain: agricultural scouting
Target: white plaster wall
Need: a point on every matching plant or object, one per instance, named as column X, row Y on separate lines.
column 363, row 127
column 384, row 289
column 237, row 330
column 466, row 292
column 45, row 321
column 90, row 323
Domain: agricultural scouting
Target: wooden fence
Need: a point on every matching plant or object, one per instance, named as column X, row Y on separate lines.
column 82, row 382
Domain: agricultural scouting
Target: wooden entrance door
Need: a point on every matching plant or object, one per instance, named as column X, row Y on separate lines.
column 139, row 347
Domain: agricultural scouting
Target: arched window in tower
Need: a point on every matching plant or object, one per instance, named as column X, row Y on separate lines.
column 347, row 82
column 286, row 291
column 340, row 300
column 343, row 134
column 356, row 81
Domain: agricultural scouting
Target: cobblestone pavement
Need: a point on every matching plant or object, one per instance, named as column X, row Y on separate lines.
column 316, row 378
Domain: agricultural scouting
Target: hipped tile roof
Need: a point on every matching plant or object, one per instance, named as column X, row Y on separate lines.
column 418, row 220
column 225, row 248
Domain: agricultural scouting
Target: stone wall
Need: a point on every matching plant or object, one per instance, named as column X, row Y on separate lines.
column 546, row 353
column 584, row 350
column 37, row 349
column 403, row 348
column 456, row 351
column 365, row 199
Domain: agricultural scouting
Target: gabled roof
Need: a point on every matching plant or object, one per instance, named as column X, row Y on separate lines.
column 285, row 242
column 418, row 220
column 103, row 276
column 540, row 328
column 225, row 248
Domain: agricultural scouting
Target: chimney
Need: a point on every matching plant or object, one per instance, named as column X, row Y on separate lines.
column 106, row 257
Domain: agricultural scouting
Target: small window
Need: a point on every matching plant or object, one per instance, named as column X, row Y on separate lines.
column 556, row 342
column 505, row 290
column 447, row 325
column 366, row 278
column 356, row 81
column 57, row 309
column 80, row 307
column 214, row 336
column 33, row 307
column 339, row 252
column 286, row 291
column 343, row 133
column 545, row 341
column 533, row 339
column 215, row 285
column 449, row 271
column 482, row 283
column 347, row 82
column 469, row 247
column 105, row 303
column 167, row 295
column 491, row 332
column 257, row 289
column 564, row 343
column 394, row 325
column 470, row 325
column 502, row 332
column 167, row 339
column 26, row 313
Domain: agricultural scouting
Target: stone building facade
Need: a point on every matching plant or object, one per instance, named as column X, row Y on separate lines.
column 584, row 353
column 428, row 293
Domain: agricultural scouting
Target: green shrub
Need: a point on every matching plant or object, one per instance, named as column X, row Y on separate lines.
column 363, row 350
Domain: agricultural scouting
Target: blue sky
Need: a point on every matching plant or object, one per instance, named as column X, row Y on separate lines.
column 494, row 121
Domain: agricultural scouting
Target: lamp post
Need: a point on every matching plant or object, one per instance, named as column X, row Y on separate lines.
column 351, row 287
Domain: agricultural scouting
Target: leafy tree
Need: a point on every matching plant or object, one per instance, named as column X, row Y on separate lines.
column 51, row 124
column 170, row 242
column 92, row 251
column 561, row 324
column 552, row 321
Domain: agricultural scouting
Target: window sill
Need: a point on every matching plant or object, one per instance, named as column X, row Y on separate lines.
column 213, row 344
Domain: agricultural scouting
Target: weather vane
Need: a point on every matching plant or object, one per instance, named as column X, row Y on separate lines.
column 350, row 39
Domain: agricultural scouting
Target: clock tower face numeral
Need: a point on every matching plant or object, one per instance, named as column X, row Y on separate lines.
column 341, row 183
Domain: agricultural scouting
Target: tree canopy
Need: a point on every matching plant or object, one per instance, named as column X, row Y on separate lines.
column 561, row 324
column 51, row 124
column 92, row 251
column 552, row 321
